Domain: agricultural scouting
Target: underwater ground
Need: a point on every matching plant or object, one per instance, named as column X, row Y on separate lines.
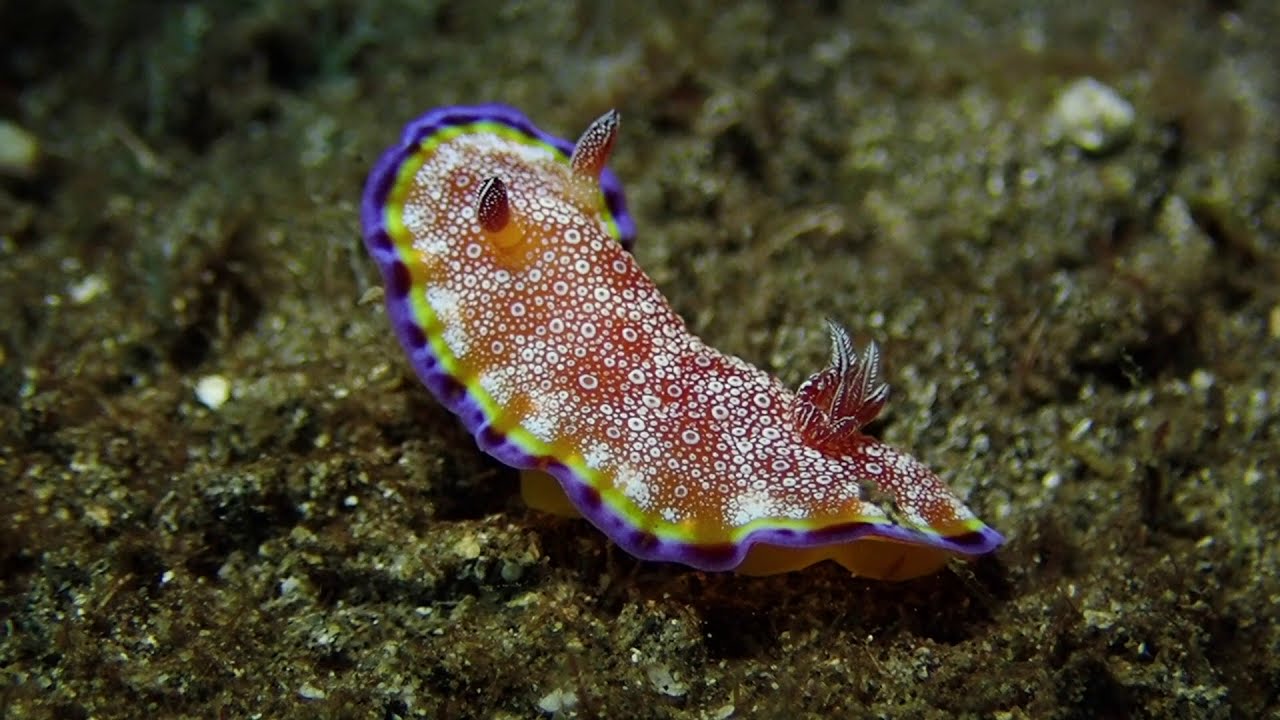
column 224, row 494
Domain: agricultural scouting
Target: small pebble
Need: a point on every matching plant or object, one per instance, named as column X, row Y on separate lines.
column 1091, row 116
column 213, row 391
column 467, row 547
column 665, row 682
column 558, row 700
column 87, row 290
column 19, row 152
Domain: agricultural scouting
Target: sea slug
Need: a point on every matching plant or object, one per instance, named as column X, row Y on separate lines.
column 509, row 281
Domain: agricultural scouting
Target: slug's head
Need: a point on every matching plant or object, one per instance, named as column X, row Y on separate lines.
column 556, row 207
column 477, row 189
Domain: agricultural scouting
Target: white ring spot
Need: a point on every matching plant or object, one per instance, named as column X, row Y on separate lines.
column 588, row 382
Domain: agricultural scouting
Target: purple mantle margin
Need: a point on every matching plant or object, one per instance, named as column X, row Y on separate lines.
column 454, row 396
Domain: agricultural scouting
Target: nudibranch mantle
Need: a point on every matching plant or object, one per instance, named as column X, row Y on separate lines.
column 509, row 281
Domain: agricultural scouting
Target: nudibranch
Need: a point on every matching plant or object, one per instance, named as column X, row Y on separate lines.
column 505, row 252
